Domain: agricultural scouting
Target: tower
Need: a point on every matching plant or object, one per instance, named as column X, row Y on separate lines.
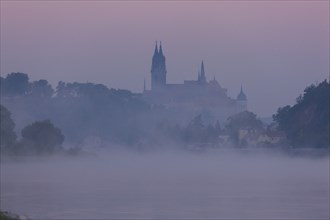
column 158, row 68
column 201, row 75
column 144, row 85
column 241, row 101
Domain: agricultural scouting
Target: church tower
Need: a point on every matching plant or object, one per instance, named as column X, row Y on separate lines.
column 158, row 68
column 201, row 75
column 241, row 101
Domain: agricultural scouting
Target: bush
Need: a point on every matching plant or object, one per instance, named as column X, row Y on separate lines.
column 42, row 137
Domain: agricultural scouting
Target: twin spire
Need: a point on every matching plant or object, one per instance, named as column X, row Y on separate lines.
column 158, row 68
column 160, row 50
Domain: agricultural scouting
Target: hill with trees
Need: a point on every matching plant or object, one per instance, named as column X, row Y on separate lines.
column 307, row 123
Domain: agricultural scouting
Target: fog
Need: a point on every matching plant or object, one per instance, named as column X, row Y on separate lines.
column 99, row 122
column 167, row 184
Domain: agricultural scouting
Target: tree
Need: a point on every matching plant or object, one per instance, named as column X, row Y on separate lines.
column 42, row 89
column 42, row 137
column 283, row 116
column 15, row 84
column 307, row 123
column 8, row 216
column 2, row 83
column 195, row 130
column 243, row 120
column 197, row 133
column 7, row 134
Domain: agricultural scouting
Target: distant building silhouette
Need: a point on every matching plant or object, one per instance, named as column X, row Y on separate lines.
column 158, row 68
column 193, row 96
column 241, row 101
column 201, row 76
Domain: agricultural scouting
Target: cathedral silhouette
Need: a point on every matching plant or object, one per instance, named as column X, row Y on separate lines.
column 193, row 96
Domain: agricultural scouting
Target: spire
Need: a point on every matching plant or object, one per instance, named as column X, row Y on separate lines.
column 144, row 85
column 156, row 49
column 160, row 48
column 158, row 68
column 241, row 96
column 202, row 77
column 202, row 69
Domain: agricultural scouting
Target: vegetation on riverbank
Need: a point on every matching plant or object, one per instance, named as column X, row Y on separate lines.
column 8, row 216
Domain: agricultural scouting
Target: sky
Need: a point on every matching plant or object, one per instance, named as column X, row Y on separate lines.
column 273, row 48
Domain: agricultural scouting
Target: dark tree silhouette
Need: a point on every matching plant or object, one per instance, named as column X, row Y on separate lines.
column 42, row 136
column 242, row 120
column 307, row 123
column 15, row 84
column 41, row 89
column 7, row 134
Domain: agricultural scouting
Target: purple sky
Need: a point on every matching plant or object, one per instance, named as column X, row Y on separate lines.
column 274, row 48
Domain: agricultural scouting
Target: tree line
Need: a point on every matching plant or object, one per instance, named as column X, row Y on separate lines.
column 43, row 116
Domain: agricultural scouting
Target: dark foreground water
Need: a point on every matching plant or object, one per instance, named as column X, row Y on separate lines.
column 172, row 185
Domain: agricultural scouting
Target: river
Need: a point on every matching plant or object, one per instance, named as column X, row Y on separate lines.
column 167, row 185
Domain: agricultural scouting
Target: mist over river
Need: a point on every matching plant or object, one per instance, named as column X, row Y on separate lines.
column 167, row 185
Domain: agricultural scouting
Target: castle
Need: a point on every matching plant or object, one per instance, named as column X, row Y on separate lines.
column 193, row 97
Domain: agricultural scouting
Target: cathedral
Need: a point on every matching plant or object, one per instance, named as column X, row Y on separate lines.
column 193, row 97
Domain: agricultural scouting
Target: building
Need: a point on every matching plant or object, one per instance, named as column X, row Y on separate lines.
column 193, row 97
column 158, row 69
column 241, row 101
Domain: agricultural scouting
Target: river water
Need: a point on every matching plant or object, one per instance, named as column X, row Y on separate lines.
column 168, row 185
